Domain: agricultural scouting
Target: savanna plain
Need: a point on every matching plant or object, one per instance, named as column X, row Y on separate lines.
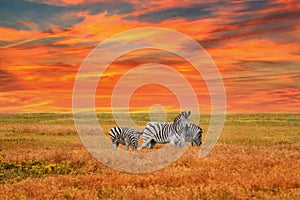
column 257, row 157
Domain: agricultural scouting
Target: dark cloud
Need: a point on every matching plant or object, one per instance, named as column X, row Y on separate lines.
column 258, row 20
column 153, row 56
column 283, row 96
column 262, row 64
column 275, row 26
column 296, row 53
column 254, row 12
column 112, row 8
column 266, row 73
column 223, row 37
column 192, row 12
column 255, row 5
column 14, row 12
column 9, row 82
column 3, row 43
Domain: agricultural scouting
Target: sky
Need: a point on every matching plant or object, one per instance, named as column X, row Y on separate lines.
column 254, row 44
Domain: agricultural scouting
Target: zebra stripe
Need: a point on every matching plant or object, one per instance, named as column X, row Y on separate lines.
column 125, row 136
column 163, row 132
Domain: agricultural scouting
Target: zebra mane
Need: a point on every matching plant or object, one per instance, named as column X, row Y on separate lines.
column 184, row 114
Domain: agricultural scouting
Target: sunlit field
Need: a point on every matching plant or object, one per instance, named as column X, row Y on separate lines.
column 256, row 157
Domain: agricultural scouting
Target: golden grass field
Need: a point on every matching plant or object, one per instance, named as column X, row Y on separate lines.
column 256, row 157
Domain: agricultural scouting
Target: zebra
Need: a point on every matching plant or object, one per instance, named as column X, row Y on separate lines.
column 175, row 140
column 193, row 134
column 164, row 132
column 125, row 136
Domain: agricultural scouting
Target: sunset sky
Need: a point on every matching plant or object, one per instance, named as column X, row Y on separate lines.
column 254, row 44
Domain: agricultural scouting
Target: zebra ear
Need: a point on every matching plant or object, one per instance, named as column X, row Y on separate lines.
column 189, row 113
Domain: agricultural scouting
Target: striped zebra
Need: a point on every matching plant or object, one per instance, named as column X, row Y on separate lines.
column 193, row 134
column 177, row 141
column 125, row 136
column 164, row 132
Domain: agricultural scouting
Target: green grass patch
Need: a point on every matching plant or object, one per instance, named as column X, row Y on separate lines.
column 13, row 171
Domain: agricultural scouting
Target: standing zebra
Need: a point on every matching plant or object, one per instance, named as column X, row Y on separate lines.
column 125, row 136
column 194, row 133
column 163, row 132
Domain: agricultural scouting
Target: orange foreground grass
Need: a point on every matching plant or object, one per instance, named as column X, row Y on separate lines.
column 233, row 170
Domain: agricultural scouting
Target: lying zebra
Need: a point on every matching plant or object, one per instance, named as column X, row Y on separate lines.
column 125, row 136
column 193, row 134
column 163, row 132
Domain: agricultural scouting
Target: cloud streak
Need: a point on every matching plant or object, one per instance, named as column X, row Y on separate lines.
column 192, row 12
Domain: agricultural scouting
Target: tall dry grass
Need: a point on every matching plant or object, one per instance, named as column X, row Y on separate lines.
column 257, row 157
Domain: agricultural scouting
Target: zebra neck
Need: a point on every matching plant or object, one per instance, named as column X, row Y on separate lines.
column 178, row 128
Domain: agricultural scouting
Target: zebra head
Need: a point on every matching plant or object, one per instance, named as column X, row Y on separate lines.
column 197, row 138
column 137, row 134
column 183, row 119
column 134, row 142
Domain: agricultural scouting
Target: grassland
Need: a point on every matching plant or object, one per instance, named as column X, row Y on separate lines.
column 257, row 157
